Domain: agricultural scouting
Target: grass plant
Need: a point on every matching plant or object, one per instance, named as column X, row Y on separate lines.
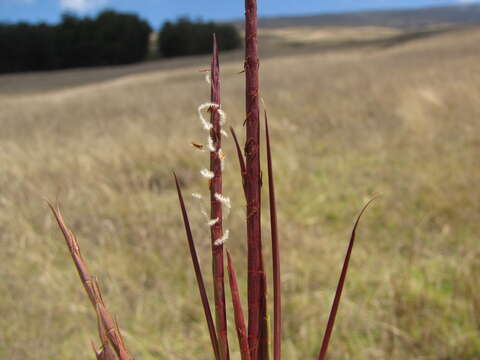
column 255, row 346
column 427, row 260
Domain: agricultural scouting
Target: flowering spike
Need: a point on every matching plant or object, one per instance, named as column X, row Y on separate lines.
column 218, row 237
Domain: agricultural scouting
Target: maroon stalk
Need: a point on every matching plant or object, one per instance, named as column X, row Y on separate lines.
column 277, row 294
column 256, row 276
column 238, row 311
column 105, row 353
column 341, row 283
column 198, row 273
column 216, row 209
column 93, row 291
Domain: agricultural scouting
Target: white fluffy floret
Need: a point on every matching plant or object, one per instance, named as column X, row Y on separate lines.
column 207, row 174
column 224, row 200
column 206, row 125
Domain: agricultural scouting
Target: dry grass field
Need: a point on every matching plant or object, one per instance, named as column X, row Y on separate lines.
column 347, row 122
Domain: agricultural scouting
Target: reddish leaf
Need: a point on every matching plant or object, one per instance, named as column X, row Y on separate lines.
column 238, row 311
column 277, row 295
column 198, row 273
column 338, row 292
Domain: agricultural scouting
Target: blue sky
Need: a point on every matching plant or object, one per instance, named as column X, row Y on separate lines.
column 157, row 11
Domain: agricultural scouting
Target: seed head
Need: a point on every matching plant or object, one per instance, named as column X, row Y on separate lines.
column 224, row 200
column 207, row 174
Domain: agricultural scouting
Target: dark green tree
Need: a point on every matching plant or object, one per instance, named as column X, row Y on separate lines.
column 185, row 37
column 109, row 39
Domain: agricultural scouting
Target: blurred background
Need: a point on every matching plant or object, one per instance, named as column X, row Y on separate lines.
column 98, row 102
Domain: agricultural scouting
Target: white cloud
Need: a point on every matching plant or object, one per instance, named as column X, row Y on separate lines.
column 81, row 5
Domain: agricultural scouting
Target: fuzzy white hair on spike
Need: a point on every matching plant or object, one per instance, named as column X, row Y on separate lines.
column 223, row 116
column 213, row 221
column 208, row 79
column 223, row 239
column 206, row 124
column 210, row 145
column 224, row 133
column 197, row 196
column 224, row 200
column 207, row 174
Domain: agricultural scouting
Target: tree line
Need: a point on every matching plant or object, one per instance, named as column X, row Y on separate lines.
column 185, row 37
column 111, row 38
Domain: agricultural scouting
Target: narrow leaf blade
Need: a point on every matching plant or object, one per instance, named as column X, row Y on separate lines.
column 198, row 272
column 341, row 283
column 238, row 311
column 277, row 292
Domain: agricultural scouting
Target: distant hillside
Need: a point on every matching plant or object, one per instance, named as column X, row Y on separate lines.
column 412, row 18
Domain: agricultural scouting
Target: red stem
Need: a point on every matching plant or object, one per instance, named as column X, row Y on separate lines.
column 277, row 304
column 91, row 287
column 238, row 311
column 216, row 209
column 338, row 292
column 256, row 277
column 198, row 273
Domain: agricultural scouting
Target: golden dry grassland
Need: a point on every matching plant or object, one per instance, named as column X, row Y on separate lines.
column 347, row 123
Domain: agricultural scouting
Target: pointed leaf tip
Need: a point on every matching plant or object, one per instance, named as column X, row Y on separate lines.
column 198, row 273
column 277, row 305
column 341, row 283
